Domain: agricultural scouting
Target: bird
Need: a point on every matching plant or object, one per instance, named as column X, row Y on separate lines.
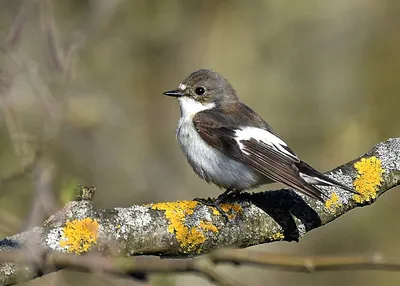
column 230, row 145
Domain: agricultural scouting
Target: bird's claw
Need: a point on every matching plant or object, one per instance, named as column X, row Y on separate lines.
column 213, row 203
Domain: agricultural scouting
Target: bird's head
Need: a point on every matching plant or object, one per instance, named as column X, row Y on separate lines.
column 205, row 87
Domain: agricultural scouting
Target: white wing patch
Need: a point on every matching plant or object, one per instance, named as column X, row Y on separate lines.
column 316, row 181
column 261, row 135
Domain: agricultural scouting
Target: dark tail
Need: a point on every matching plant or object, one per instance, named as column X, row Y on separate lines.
column 313, row 177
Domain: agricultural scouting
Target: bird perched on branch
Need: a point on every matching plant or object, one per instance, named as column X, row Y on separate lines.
column 229, row 144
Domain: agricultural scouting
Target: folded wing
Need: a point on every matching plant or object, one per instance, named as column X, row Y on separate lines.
column 256, row 146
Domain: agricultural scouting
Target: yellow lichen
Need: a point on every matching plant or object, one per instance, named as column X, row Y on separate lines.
column 176, row 212
column 208, row 226
column 369, row 178
column 78, row 235
column 277, row 236
column 189, row 239
column 230, row 209
column 194, row 239
column 333, row 202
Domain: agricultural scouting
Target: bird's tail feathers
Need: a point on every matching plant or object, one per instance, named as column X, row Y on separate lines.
column 312, row 191
column 313, row 177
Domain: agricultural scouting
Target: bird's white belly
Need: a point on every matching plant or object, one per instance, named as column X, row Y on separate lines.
column 212, row 165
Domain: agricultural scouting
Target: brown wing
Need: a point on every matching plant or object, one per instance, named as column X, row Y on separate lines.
column 219, row 131
column 277, row 166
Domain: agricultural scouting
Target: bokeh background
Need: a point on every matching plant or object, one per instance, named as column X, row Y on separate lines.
column 81, row 101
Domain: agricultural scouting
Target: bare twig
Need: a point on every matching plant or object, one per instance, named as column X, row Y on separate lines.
column 44, row 203
column 127, row 266
column 14, row 33
column 52, row 38
column 303, row 263
column 206, row 265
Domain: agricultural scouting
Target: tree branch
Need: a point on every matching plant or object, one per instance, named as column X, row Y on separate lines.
column 187, row 228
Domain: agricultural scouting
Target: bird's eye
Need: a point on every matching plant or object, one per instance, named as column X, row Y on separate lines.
column 199, row 90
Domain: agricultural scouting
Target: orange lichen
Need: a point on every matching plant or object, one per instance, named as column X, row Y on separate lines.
column 208, row 226
column 190, row 239
column 277, row 236
column 230, row 209
column 176, row 212
column 194, row 239
column 78, row 235
column 333, row 202
column 369, row 178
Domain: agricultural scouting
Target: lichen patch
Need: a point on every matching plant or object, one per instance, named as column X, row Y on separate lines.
column 344, row 178
column 333, row 202
column 208, row 226
column 53, row 239
column 369, row 179
column 189, row 237
column 79, row 235
column 8, row 269
column 278, row 236
column 390, row 160
column 129, row 220
column 230, row 209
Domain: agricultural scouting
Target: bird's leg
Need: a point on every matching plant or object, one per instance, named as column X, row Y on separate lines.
column 217, row 202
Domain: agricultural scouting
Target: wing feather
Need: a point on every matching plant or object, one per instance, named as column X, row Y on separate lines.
column 273, row 158
column 277, row 166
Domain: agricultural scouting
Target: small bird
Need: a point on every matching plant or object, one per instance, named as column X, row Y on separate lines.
column 230, row 145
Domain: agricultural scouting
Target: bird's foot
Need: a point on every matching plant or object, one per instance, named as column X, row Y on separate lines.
column 213, row 203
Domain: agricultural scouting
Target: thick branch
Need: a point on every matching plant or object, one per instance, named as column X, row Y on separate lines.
column 188, row 228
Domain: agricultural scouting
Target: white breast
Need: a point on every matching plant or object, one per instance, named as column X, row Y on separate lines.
column 209, row 163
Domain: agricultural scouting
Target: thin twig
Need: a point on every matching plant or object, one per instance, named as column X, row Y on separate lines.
column 44, row 202
column 303, row 263
column 14, row 33
column 52, row 37
column 205, row 265
column 127, row 266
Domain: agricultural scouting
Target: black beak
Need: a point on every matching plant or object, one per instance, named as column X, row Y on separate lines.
column 174, row 93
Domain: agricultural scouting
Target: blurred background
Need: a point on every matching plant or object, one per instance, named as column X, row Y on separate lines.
column 81, row 101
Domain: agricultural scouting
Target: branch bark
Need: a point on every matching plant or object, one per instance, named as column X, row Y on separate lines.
column 187, row 228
